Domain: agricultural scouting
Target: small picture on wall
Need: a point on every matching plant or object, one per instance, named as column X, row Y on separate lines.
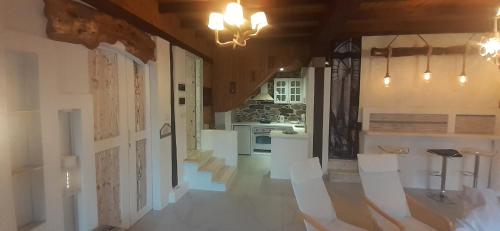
column 182, row 87
column 182, row 101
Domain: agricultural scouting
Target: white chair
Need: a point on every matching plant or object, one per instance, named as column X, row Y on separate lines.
column 390, row 207
column 314, row 202
column 482, row 210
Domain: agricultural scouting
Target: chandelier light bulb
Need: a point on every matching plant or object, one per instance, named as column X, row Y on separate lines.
column 387, row 80
column 216, row 21
column 258, row 20
column 490, row 48
column 462, row 80
column 427, row 76
column 234, row 14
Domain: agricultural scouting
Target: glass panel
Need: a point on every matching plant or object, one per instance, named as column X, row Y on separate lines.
column 292, row 98
column 298, row 90
column 292, row 83
column 292, row 91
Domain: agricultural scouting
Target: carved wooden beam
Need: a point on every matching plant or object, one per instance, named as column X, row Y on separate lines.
column 73, row 22
column 414, row 51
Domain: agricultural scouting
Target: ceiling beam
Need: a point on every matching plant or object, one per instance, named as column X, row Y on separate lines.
column 207, row 6
column 418, row 27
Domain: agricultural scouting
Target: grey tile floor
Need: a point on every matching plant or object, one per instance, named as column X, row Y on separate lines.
column 257, row 203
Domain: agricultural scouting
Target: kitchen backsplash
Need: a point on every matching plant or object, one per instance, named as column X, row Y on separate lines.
column 254, row 111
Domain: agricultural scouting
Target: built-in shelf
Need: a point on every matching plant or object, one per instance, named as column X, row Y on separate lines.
column 25, row 141
column 436, row 135
column 27, row 169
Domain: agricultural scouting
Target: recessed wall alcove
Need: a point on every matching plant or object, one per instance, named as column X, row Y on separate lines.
column 24, row 137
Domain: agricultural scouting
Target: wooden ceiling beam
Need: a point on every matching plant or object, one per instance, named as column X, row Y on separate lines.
column 207, row 6
column 417, row 27
column 194, row 24
column 287, row 20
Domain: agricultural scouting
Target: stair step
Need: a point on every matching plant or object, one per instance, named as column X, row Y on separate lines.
column 198, row 157
column 225, row 175
column 347, row 176
column 212, row 165
column 338, row 164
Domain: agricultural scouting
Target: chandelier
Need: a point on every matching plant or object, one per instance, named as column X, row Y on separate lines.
column 234, row 20
column 490, row 46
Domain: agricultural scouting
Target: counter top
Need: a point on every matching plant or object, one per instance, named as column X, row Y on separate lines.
column 261, row 124
column 433, row 135
column 301, row 134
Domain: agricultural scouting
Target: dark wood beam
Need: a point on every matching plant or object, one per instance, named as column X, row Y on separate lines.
column 207, row 6
column 414, row 51
column 418, row 27
column 119, row 12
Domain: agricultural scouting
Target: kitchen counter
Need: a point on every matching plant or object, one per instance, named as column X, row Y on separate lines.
column 287, row 149
column 301, row 134
column 262, row 124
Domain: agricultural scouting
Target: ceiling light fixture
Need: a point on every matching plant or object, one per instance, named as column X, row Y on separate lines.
column 490, row 45
column 234, row 20
column 387, row 77
column 427, row 74
column 462, row 78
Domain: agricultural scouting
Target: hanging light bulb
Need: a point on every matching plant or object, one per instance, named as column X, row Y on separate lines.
column 462, row 78
column 234, row 14
column 387, row 78
column 427, row 73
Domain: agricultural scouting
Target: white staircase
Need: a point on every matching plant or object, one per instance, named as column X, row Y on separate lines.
column 345, row 171
column 203, row 171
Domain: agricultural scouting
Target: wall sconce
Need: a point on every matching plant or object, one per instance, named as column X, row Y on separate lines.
column 71, row 174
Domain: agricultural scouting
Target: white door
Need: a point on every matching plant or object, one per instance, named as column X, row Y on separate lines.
column 139, row 140
column 121, row 132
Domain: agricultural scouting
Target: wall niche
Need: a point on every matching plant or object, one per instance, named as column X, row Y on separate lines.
column 24, row 137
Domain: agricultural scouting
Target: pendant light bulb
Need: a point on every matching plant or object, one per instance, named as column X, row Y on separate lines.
column 427, row 73
column 387, row 80
column 462, row 80
column 427, row 76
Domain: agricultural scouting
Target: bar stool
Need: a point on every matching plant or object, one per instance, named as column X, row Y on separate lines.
column 477, row 158
column 445, row 154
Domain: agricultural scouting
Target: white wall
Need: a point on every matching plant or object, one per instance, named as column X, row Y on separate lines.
column 161, row 114
column 409, row 93
column 408, row 90
column 180, row 110
column 64, row 84
column 61, row 69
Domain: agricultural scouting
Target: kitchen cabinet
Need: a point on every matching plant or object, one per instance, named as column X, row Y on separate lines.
column 244, row 139
column 289, row 90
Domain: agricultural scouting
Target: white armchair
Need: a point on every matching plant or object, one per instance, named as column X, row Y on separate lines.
column 313, row 200
column 390, row 207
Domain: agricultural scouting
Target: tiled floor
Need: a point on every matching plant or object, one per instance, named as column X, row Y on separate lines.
column 257, row 203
